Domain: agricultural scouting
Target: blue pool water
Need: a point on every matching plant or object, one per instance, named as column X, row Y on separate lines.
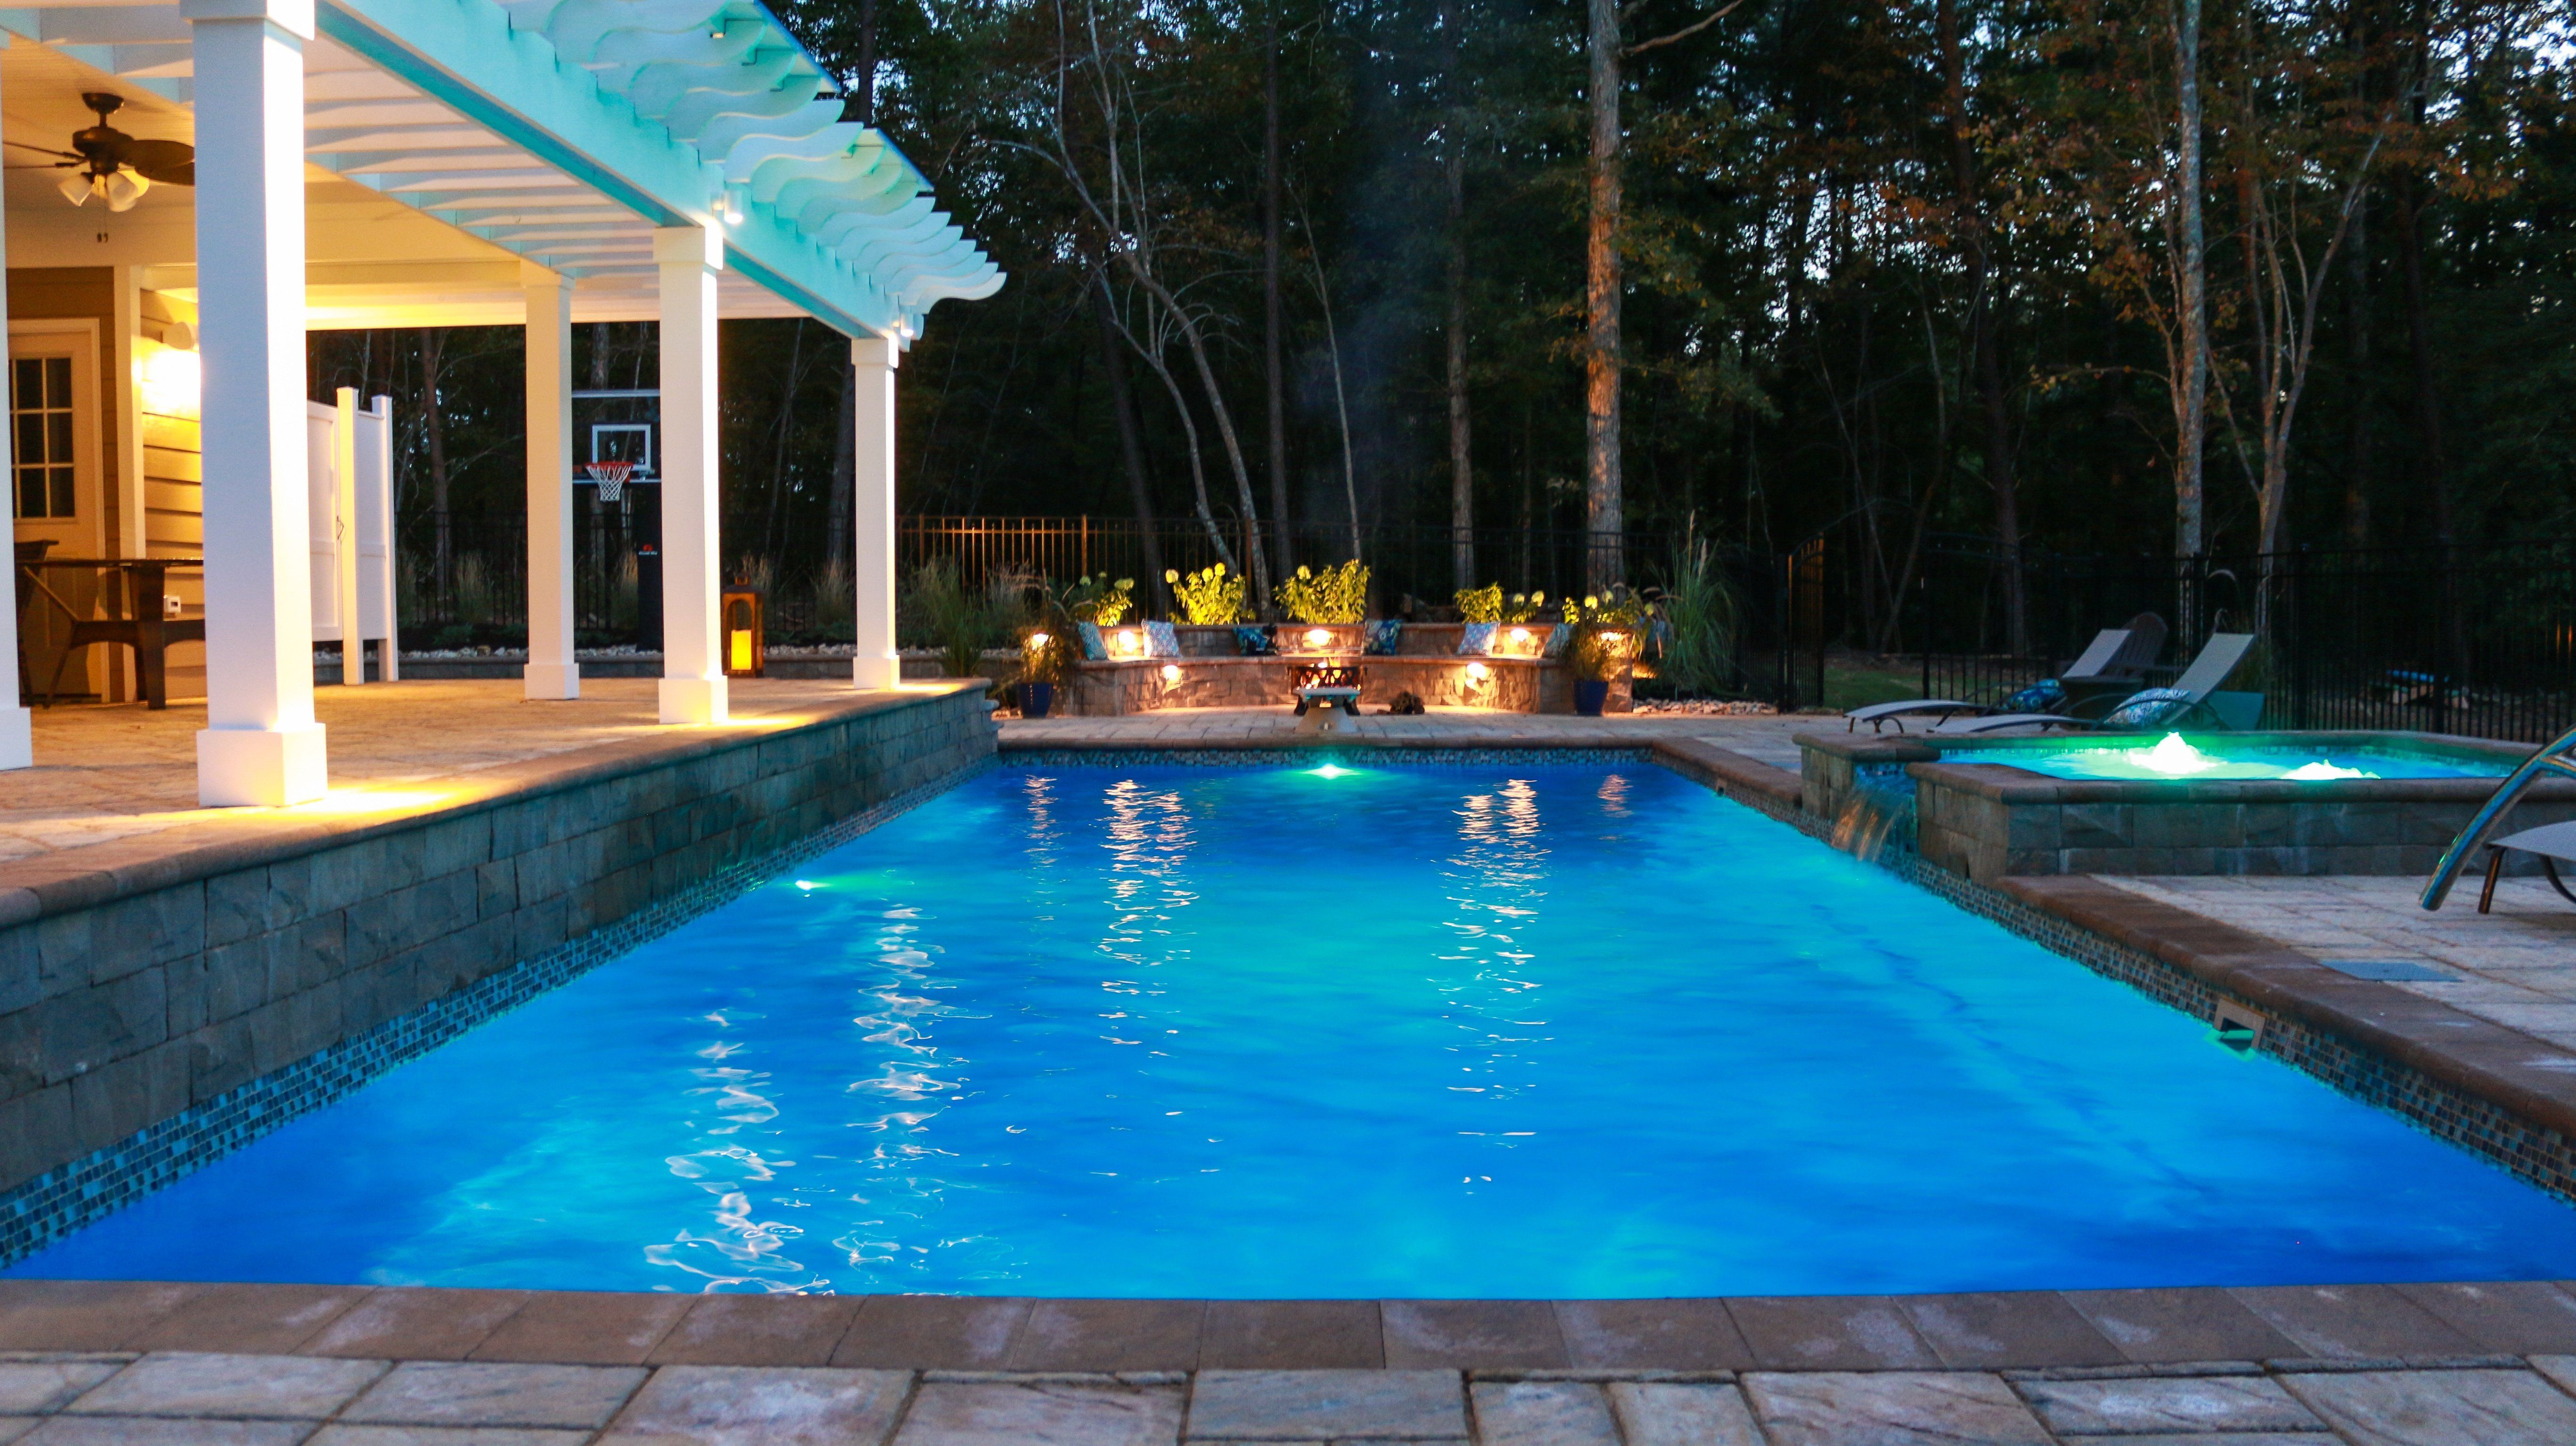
column 1450, row 1031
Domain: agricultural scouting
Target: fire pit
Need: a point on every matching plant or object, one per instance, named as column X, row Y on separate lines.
column 1327, row 693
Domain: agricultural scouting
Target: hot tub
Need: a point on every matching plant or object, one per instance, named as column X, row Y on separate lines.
column 2245, row 803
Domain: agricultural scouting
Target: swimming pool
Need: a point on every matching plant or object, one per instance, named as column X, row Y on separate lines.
column 1450, row 1031
column 2174, row 757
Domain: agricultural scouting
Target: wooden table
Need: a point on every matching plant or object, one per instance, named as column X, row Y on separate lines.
column 142, row 585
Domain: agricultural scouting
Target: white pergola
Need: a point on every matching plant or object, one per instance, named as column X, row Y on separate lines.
column 449, row 162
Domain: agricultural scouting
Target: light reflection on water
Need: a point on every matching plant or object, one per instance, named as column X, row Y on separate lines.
column 1460, row 1031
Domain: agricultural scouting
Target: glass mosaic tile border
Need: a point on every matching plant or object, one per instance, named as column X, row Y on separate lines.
column 2535, row 1153
column 63, row 1200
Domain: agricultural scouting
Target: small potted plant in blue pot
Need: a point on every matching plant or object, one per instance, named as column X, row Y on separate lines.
column 1046, row 660
column 1606, row 633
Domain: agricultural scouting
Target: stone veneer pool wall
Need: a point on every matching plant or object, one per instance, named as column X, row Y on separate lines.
column 133, row 995
column 1961, row 805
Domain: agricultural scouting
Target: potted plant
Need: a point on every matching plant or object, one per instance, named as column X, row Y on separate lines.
column 1046, row 660
column 1606, row 634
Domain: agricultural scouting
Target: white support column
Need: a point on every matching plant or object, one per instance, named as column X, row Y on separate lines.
column 17, row 741
column 551, row 671
column 875, row 664
column 693, row 681
column 261, row 744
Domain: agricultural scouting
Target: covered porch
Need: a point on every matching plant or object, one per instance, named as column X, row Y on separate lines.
column 424, row 163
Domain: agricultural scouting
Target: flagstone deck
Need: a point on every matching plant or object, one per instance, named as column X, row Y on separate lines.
column 2416, row 1365
column 108, row 772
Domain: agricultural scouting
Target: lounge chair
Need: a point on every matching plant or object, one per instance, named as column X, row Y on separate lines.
column 2557, row 757
column 2146, row 708
column 2116, row 655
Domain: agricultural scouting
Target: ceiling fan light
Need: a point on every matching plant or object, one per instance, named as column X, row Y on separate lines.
column 124, row 189
column 75, row 186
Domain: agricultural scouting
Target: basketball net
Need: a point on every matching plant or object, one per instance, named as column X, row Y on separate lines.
column 611, row 477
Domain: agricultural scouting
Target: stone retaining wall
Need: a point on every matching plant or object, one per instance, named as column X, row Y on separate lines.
column 130, row 994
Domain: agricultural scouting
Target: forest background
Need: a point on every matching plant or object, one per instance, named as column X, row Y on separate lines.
column 1904, row 269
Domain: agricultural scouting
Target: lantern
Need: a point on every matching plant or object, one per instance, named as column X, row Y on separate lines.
column 744, row 653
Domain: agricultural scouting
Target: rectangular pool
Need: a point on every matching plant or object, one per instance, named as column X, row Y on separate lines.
column 1490, row 1030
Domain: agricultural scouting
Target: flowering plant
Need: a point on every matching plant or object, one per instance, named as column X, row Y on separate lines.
column 1335, row 595
column 1209, row 596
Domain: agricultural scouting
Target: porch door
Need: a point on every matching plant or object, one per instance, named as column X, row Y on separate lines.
column 55, row 493
column 53, row 428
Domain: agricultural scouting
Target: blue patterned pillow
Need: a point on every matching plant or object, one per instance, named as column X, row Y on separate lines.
column 1557, row 638
column 1254, row 642
column 1161, row 641
column 2045, row 696
column 1380, row 638
column 1477, row 639
column 1093, row 649
column 2148, row 707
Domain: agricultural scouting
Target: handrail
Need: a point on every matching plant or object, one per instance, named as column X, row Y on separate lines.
column 2558, row 756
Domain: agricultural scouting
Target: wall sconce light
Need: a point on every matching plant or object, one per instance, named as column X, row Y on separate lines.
column 1171, row 672
column 1478, row 673
column 172, row 376
column 1520, row 635
column 745, row 655
column 735, row 202
column 1125, row 643
column 1318, row 637
column 1037, row 640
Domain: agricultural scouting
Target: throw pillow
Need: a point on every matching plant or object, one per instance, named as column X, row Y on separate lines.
column 2148, row 708
column 1557, row 638
column 1161, row 641
column 1254, row 642
column 2045, row 696
column 1477, row 640
column 1380, row 639
column 1093, row 649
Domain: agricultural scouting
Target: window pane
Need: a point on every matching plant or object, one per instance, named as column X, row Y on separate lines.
column 31, row 438
column 31, row 498
column 58, row 437
column 63, row 492
column 27, row 383
column 58, row 381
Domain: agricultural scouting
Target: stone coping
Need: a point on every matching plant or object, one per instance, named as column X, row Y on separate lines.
column 2527, row 1077
column 228, row 840
column 2089, row 1330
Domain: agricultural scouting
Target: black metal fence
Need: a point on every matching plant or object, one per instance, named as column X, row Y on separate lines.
column 2472, row 640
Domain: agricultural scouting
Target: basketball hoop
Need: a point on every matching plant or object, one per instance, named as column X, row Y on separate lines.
column 611, row 477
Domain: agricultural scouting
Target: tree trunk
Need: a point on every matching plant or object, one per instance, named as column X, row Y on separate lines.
column 845, row 468
column 1131, row 441
column 433, row 345
column 2356, row 340
column 863, row 96
column 1272, row 327
column 1605, row 511
column 2191, row 388
column 1462, row 469
column 1984, row 355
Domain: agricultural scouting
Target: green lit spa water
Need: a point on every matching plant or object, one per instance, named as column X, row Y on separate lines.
column 2176, row 758
column 1475, row 1030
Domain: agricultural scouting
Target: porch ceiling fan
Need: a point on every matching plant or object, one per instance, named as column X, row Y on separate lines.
column 107, row 163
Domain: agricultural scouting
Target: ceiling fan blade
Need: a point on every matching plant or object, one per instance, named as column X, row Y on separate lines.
column 45, row 150
column 169, row 162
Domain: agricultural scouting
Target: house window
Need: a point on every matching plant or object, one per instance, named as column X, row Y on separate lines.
column 40, row 409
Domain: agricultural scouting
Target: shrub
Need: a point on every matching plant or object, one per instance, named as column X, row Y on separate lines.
column 1209, row 596
column 1335, row 595
column 1100, row 601
column 956, row 617
column 1699, row 657
column 1488, row 605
